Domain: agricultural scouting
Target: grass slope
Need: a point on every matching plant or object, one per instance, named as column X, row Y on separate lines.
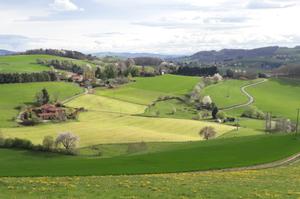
column 27, row 63
column 194, row 156
column 279, row 96
column 13, row 95
column 146, row 90
column 104, row 123
column 273, row 183
column 227, row 93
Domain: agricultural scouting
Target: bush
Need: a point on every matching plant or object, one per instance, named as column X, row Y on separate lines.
column 136, row 147
column 221, row 115
column 48, row 143
column 8, row 143
column 2, row 139
column 253, row 112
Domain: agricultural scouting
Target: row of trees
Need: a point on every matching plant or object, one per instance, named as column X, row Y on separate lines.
column 64, row 143
column 196, row 71
column 27, row 77
column 61, row 53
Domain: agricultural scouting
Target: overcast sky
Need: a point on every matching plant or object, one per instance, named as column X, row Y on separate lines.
column 157, row 26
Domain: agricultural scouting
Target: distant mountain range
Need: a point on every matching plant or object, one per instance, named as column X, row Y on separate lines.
column 266, row 57
column 6, row 52
column 134, row 55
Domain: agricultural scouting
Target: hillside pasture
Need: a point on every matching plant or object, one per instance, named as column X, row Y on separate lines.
column 16, row 95
column 28, row 63
column 193, row 156
column 146, row 90
column 279, row 182
column 279, row 96
column 114, row 121
column 227, row 93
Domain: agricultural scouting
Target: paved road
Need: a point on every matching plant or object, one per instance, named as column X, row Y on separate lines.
column 250, row 97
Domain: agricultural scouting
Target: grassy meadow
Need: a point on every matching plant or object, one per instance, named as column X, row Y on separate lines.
column 227, row 93
column 28, row 63
column 14, row 95
column 192, row 156
column 276, row 183
column 146, row 90
column 281, row 97
column 113, row 121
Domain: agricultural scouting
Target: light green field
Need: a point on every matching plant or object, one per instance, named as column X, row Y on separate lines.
column 146, row 90
column 276, row 183
column 281, row 97
column 109, row 121
column 14, row 95
column 27, row 63
column 278, row 96
column 227, row 93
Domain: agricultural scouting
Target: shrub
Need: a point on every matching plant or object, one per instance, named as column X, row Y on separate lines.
column 48, row 143
column 253, row 112
column 8, row 143
column 136, row 147
column 221, row 115
column 2, row 139
column 22, row 143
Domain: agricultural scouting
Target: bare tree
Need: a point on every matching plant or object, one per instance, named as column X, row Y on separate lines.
column 68, row 140
column 207, row 132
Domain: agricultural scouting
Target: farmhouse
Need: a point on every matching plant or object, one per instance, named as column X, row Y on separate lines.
column 50, row 112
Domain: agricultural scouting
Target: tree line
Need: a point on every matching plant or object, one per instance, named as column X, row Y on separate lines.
column 48, row 76
column 196, row 71
column 62, row 53
column 62, row 65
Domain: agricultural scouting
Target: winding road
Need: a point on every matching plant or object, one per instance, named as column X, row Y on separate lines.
column 250, row 97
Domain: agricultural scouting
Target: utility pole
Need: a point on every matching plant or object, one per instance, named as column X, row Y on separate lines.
column 298, row 113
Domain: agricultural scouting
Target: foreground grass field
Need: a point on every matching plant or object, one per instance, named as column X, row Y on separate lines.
column 28, row 63
column 273, row 183
column 146, row 90
column 113, row 121
column 14, row 95
column 193, row 156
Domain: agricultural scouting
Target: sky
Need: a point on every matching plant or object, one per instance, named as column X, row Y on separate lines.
column 153, row 26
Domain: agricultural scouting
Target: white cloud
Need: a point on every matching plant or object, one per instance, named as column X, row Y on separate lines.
column 265, row 4
column 65, row 5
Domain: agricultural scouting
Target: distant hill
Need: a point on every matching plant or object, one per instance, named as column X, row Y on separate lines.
column 266, row 57
column 6, row 52
column 134, row 55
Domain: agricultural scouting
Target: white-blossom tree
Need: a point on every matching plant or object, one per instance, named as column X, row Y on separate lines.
column 206, row 100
